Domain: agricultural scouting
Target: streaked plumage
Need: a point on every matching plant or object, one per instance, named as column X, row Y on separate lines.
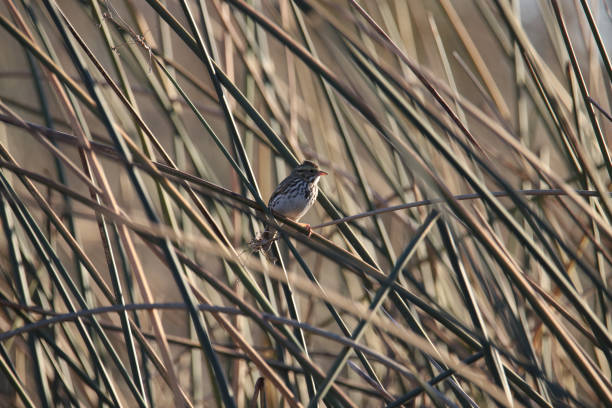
column 296, row 193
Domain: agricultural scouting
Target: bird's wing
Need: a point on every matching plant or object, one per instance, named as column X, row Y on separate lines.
column 282, row 187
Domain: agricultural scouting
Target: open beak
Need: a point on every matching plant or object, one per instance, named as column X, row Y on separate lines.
column 322, row 173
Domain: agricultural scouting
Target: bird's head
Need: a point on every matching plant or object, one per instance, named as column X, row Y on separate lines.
column 309, row 171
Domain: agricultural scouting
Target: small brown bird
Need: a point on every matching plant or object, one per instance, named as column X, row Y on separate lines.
column 295, row 195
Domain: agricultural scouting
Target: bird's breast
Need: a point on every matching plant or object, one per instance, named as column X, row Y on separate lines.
column 295, row 204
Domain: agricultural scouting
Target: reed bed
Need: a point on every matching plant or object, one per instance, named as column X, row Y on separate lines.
column 461, row 247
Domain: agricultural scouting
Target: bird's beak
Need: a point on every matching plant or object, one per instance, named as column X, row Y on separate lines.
column 322, row 173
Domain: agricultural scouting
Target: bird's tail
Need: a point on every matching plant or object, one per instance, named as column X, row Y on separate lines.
column 268, row 237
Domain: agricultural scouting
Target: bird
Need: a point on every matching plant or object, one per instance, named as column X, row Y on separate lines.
column 294, row 196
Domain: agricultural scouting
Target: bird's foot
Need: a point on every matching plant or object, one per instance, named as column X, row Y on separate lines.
column 307, row 227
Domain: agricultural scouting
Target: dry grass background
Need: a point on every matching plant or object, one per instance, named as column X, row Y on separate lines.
column 140, row 139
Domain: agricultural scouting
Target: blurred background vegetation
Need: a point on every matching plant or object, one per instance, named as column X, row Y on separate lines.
column 468, row 140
